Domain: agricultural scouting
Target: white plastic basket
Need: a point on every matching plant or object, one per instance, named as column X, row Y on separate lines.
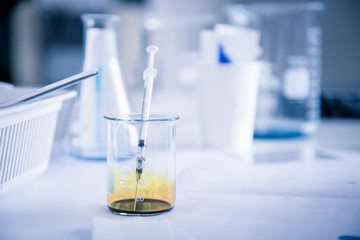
column 26, row 136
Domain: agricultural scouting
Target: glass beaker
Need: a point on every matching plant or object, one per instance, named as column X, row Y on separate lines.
column 101, row 95
column 154, row 192
column 290, row 83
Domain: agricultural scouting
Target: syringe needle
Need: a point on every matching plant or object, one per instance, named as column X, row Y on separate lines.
column 135, row 198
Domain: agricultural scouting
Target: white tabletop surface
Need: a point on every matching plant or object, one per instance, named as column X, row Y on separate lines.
column 289, row 189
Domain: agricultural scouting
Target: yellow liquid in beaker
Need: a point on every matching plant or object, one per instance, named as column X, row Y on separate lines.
column 155, row 193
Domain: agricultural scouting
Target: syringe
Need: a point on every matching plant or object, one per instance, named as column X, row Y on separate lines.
column 148, row 76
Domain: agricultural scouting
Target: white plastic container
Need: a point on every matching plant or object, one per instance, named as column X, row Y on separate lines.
column 26, row 135
column 227, row 95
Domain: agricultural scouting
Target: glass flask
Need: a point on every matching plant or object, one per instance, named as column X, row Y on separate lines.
column 290, row 83
column 154, row 192
column 104, row 94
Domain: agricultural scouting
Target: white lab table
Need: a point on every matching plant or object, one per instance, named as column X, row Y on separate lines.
column 307, row 188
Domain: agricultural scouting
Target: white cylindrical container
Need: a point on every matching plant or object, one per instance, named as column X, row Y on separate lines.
column 227, row 95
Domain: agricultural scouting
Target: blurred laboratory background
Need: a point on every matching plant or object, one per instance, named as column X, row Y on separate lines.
column 43, row 41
